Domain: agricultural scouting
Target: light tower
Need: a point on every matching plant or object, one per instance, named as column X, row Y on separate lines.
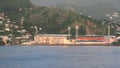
column 36, row 30
column 69, row 28
column 109, row 24
column 76, row 27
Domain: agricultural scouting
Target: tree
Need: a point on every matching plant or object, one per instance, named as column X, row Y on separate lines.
column 82, row 30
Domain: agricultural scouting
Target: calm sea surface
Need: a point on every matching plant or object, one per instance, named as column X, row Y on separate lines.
column 59, row 57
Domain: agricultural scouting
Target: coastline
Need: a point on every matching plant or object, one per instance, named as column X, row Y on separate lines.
column 66, row 45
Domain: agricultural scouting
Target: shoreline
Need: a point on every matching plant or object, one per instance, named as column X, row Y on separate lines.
column 65, row 45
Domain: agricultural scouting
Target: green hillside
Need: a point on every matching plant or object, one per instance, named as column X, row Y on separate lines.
column 49, row 20
column 97, row 10
column 12, row 8
column 54, row 20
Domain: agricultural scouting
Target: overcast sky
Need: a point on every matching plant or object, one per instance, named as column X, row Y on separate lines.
column 52, row 2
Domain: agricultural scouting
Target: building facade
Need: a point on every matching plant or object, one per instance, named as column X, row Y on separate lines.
column 52, row 39
column 91, row 40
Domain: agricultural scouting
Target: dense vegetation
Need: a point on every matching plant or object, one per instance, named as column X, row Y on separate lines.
column 96, row 8
column 12, row 8
column 49, row 20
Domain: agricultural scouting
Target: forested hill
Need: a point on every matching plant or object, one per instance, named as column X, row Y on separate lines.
column 96, row 8
column 54, row 20
column 50, row 20
column 12, row 7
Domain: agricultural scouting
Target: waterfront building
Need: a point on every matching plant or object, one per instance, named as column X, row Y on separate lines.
column 112, row 39
column 4, row 40
column 91, row 39
column 23, row 39
column 52, row 39
column 63, row 39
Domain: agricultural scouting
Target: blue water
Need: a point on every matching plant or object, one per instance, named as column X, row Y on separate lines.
column 59, row 57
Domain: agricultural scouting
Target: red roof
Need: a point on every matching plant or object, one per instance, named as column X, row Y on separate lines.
column 91, row 38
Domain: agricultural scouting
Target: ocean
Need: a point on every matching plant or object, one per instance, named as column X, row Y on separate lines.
column 59, row 57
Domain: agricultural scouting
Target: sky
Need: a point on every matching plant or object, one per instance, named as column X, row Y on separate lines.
column 46, row 2
column 52, row 2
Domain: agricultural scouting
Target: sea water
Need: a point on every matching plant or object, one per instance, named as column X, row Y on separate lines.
column 59, row 57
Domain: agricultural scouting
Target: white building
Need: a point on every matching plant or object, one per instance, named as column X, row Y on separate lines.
column 52, row 39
